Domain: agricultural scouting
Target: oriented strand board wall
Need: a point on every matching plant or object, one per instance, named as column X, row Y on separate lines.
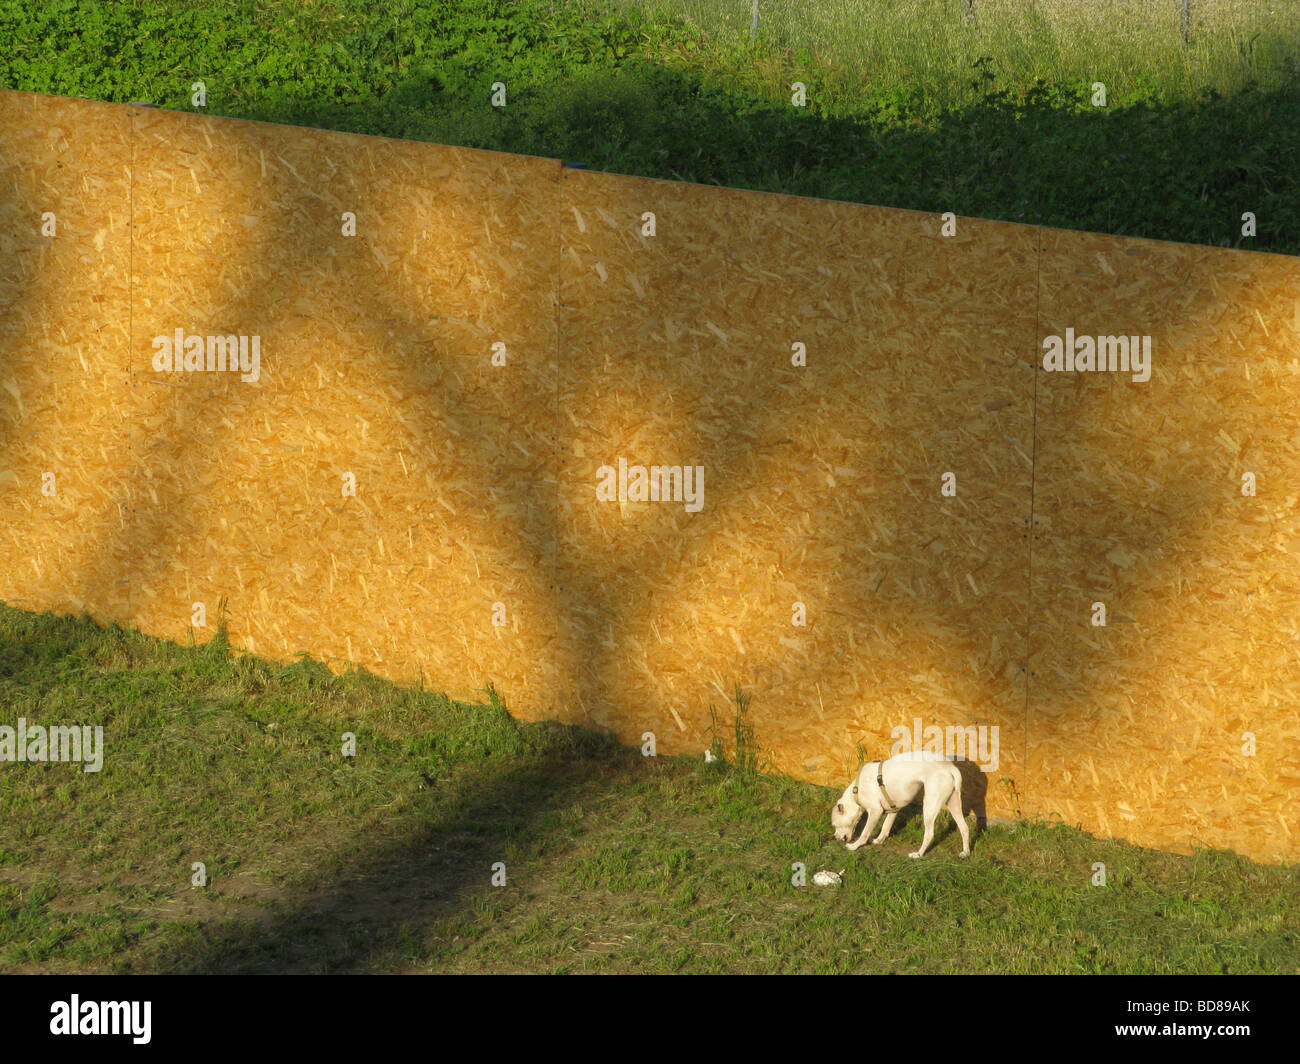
column 822, row 483
column 63, row 353
column 375, row 363
column 1137, row 728
column 476, row 484
column 176, row 488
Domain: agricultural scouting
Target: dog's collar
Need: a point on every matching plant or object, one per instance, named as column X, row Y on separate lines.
column 888, row 803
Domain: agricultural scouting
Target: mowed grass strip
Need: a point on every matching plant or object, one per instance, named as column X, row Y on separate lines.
column 612, row 862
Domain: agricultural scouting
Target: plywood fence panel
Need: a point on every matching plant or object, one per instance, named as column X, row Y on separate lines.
column 884, row 457
column 1139, row 728
column 966, row 408
column 381, row 492
column 822, row 482
column 64, row 249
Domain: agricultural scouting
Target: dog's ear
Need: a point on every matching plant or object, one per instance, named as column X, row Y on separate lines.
column 839, row 807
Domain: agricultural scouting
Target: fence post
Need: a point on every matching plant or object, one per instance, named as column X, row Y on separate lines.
column 753, row 19
column 1186, row 21
column 967, row 12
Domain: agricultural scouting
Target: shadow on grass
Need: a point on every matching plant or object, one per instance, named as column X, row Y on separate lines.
column 378, row 899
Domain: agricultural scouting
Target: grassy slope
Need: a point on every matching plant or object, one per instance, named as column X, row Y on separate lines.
column 614, row 862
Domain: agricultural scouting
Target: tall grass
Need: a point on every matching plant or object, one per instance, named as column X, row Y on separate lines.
column 744, row 749
column 925, row 46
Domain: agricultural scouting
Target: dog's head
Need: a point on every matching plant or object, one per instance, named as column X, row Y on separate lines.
column 845, row 815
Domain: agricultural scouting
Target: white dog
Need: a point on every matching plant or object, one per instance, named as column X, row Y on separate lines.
column 886, row 786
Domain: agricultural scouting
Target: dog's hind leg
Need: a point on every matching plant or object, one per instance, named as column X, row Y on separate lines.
column 929, row 810
column 954, row 807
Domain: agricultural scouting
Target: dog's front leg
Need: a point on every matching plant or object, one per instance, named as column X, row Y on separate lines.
column 873, row 818
column 885, row 830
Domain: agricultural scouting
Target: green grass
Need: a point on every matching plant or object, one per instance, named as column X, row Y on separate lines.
column 614, row 862
column 907, row 108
